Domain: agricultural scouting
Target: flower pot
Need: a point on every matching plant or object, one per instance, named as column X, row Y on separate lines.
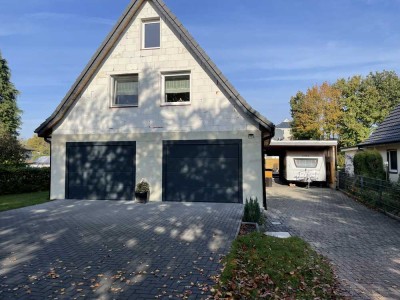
column 142, row 197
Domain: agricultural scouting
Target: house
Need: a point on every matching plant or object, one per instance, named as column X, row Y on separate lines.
column 386, row 139
column 283, row 131
column 41, row 162
column 349, row 153
column 151, row 104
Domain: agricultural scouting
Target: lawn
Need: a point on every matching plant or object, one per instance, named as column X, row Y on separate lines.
column 8, row 202
column 263, row 267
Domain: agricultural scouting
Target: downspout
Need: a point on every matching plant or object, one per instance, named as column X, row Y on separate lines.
column 263, row 140
column 48, row 140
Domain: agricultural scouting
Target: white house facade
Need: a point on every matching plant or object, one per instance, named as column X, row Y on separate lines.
column 151, row 105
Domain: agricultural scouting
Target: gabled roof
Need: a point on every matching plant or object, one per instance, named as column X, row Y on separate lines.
column 45, row 129
column 388, row 132
column 284, row 124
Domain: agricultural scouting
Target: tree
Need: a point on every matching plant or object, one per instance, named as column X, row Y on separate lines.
column 317, row 113
column 365, row 103
column 11, row 151
column 39, row 145
column 10, row 114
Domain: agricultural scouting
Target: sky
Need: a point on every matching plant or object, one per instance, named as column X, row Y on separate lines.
column 268, row 49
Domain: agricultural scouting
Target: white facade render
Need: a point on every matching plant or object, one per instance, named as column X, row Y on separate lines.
column 151, row 105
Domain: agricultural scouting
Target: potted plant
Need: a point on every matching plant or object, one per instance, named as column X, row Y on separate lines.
column 142, row 191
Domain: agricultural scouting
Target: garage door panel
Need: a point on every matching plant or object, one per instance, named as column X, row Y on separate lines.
column 203, row 178
column 94, row 192
column 202, row 171
column 203, row 194
column 203, row 151
column 179, row 165
column 85, row 178
column 101, row 170
column 101, row 165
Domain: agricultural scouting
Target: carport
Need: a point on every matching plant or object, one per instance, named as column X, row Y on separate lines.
column 281, row 148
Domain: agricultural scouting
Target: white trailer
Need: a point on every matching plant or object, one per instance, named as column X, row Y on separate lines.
column 305, row 166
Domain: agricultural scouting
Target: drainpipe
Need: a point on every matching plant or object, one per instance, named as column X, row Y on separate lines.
column 48, row 140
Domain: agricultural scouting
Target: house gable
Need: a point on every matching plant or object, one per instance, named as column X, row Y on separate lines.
column 215, row 105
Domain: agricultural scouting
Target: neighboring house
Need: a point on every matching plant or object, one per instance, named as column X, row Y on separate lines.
column 386, row 139
column 283, row 131
column 41, row 162
column 151, row 104
column 349, row 153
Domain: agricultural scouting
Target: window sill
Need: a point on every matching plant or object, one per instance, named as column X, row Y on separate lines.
column 155, row 48
column 175, row 103
column 123, row 106
column 393, row 171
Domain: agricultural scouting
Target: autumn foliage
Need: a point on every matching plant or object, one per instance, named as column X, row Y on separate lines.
column 347, row 110
column 316, row 113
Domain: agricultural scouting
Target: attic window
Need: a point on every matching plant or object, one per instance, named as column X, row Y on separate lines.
column 125, row 90
column 151, row 34
column 176, row 88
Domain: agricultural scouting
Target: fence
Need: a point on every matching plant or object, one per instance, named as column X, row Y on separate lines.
column 380, row 194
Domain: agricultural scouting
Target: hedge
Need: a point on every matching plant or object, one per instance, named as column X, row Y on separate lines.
column 17, row 180
column 369, row 163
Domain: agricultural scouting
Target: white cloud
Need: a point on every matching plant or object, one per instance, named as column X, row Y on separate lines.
column 71, row 17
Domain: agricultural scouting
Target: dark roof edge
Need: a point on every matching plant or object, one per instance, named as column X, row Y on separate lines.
column 365, row 144
column 46, row 127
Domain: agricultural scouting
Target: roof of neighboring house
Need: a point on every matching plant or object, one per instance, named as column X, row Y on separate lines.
column 388, row 131
column 348, row 149
column 308, row 143
column 45, row 129
column 42, row 160
column 284, row 124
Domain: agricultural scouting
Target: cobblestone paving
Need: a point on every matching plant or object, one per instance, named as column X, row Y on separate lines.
column 363, row 245
column 113, row 250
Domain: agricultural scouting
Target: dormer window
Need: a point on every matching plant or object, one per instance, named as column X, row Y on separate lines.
column 126, row 90
column 176, row 88
column 151, row 34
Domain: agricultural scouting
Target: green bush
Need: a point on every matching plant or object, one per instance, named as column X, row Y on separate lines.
column 369, row 163
column 252, row 211
column 17, row 180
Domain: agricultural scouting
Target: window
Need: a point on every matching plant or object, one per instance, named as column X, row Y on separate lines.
column 392, row 160
column 151, row 34
column 125, row 90
column 304, row 163
column 176, row 88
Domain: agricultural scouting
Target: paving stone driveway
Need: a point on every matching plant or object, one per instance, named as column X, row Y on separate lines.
column 109, row 249
column 364, row 245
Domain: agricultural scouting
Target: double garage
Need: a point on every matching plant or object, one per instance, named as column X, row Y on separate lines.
column 192, row 171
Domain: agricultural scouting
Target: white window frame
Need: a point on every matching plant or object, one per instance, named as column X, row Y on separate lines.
column 180, row 73
column 113, row 89
column 392, row 171
column 149, row 21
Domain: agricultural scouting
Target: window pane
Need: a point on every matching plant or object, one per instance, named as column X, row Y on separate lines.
column 306, row 162
column 393, row 160
column 177, row 88
column 126, row 92
column 152, row 35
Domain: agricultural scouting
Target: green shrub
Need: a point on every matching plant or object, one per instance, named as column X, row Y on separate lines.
column 17, row 180
column 252, row 211
column 369, row 163
column 142, row 187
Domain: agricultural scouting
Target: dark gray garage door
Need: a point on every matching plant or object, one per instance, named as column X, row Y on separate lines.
column 202, row 171
column 100, row 170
